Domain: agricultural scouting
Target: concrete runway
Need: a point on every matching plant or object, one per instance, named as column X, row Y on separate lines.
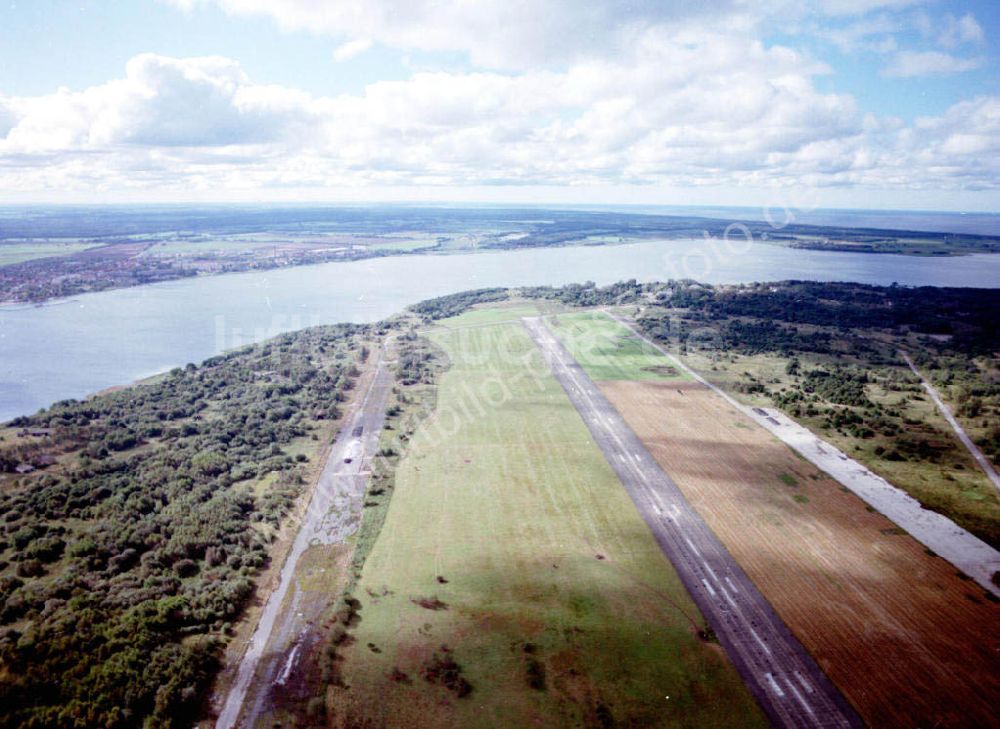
column 334, row 513
column 783, row 677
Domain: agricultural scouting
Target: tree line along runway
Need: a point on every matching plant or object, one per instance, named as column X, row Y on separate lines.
column 784, row 678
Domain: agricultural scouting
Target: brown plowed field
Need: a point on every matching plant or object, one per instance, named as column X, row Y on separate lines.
column 908, row 641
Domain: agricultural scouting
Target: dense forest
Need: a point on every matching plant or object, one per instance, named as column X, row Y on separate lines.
column 134, row 523
column 968, row 316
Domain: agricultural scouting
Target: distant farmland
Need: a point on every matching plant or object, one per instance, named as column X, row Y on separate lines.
column 513, row 582
column 20, row 252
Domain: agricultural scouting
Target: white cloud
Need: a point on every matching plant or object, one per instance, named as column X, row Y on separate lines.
column 495, row 33
column 8, row 117
column 871, row 33
column 884, row 31
column 161, row 101
column 350, row 49
column 968, row 130
column 907, row 64
column 960, row 30
column 861, row 7
column 680, row 109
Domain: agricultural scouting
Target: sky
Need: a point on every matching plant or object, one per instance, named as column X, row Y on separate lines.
column 801, row 104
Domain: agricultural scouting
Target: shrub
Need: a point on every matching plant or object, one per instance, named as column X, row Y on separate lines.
column 185, row 568
column 30, row 568
column 443, row 670
column 46, row 549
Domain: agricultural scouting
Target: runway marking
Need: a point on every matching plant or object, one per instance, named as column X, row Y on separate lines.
column 711, row 571
column 691, row 544
column 731, row 585
column 708, row 587
column 756, row 637
column 805, row 684
column 801, row 699
column 774, row 685
column 729, row 599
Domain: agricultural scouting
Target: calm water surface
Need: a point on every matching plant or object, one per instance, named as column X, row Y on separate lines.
column 77, row 346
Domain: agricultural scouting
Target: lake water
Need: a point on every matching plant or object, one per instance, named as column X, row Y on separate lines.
column 77, row 346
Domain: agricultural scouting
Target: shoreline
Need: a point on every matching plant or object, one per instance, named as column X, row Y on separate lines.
column 792, row 244
column 274, row 303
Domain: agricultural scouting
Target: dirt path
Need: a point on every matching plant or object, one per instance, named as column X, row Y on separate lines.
column 333, row 514
column 977, row 454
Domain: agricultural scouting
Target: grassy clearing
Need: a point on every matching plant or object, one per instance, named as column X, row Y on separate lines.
column 608, row 351
column 504, row 313
column 21, row 252
column 512, row 559
column 408, row 409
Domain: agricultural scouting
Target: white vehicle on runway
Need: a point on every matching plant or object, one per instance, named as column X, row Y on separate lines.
column 353, row 450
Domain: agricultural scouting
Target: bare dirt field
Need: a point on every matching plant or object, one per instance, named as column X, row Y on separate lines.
column 908, row 641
